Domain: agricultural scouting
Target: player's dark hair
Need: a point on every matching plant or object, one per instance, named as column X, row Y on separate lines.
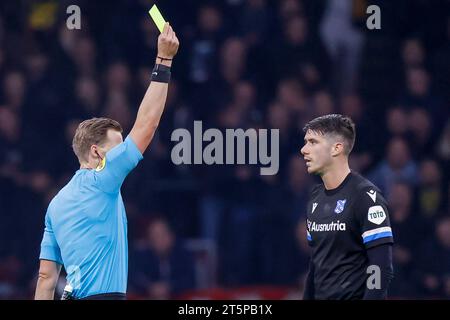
column 334, row 124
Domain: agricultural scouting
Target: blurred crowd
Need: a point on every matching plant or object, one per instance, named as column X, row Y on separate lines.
column 241, row 64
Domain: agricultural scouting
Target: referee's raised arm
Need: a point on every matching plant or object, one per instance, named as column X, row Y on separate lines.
column 152, row 105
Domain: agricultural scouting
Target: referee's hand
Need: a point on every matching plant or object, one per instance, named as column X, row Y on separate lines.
column 167, row 43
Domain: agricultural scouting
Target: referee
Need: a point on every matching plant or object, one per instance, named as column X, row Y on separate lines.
column 85, row 223
column 348, row 225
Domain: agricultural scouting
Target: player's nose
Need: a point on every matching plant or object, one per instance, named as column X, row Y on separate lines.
column 303, row 150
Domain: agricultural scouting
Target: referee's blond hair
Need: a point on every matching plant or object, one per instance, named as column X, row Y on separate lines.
column 90, row 132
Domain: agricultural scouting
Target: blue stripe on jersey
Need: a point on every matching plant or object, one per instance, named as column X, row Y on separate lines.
column 377, row 236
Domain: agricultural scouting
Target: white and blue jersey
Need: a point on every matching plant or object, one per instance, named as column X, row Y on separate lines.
column 86, row 225
column 342, row 224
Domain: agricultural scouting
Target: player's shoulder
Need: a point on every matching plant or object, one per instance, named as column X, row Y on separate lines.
column 316, row 189
column 362, row 184
column 366, row 193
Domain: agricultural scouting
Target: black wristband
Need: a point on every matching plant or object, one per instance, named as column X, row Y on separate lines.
column 161, row 73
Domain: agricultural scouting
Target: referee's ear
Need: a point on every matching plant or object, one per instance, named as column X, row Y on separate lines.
column 95, row 153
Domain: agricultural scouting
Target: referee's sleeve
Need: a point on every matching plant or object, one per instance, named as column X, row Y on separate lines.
column 373, row 216
column 49, row 246
column 119, row 161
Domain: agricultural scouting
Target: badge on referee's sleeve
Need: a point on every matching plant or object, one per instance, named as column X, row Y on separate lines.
column 101, row 165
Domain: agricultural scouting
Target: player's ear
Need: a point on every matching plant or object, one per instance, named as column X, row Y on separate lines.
column 337, row 148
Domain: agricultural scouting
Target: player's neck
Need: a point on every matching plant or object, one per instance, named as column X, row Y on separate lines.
column 333, row 177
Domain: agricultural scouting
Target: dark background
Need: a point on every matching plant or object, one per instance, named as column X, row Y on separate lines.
column 225, row 231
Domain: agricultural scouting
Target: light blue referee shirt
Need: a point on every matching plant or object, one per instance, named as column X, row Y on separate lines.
column 86, row 225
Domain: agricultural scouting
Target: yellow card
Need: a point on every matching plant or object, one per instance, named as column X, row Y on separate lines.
column 157, row 17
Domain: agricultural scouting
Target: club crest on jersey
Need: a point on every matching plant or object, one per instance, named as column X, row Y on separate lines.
column 340, row 205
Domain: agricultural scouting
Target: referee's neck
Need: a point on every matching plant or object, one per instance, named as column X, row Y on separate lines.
column 333, row 177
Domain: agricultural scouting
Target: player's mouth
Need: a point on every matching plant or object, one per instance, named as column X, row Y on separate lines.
column 308, row 161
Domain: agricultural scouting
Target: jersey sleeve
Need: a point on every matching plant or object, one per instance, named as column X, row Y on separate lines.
column 49, row 246
column 119, row 161
column 373, row 217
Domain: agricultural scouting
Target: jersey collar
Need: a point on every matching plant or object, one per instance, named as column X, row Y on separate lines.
column 340, row 187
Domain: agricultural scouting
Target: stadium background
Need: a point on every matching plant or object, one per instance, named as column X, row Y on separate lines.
column 226, row 231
